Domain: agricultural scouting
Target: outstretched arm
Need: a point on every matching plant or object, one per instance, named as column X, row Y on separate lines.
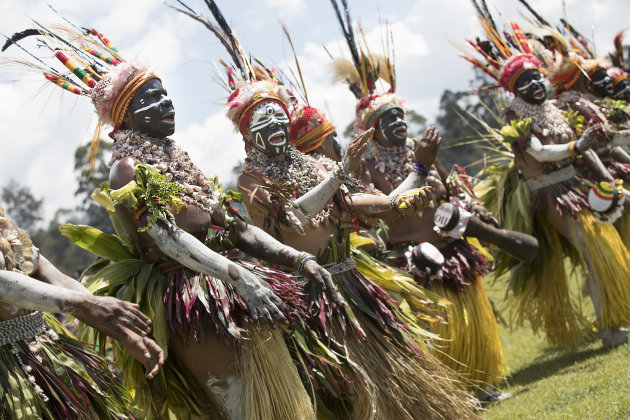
column 120, row 320
column 555, row 152
column 258, row 243
column 190, row 252
column 403, row 204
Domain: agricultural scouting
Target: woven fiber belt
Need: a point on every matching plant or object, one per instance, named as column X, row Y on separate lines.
column 22, row 328
column 340, row 267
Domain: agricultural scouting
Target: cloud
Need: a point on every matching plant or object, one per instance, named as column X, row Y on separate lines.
column 287, row 10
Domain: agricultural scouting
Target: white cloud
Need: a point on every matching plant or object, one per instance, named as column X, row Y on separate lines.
column 287, row 10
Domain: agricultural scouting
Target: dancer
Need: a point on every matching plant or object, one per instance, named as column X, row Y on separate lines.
column 472, row 345
column 212, row 315
column 46, row 372
column 544, row 147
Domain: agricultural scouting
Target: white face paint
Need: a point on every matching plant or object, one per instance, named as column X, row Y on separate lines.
column 151, row 106
column 270, row 128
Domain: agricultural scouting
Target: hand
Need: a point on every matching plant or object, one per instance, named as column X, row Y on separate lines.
column 123, row 322
column 261, row 301
column 593, row 137
column 425, row 150
column 352, row 156
column 484, row 214
column 414, row 201
column 318, row 274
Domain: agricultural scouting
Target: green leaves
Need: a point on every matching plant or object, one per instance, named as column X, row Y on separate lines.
column 576, row 121
column 517, row 129
column 96, row 242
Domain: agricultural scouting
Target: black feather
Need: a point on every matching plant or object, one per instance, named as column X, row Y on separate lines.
column 533, row 12
column 19, row 36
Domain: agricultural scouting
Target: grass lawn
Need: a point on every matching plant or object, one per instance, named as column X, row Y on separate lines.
column 586, row 382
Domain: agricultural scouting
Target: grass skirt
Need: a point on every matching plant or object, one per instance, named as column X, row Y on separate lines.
column 409, row 382
column 67, row 380
column 607, row 262
column 182, row 300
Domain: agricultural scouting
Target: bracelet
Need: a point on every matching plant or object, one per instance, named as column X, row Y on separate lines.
column 392, row 203
column 420, row 169
column 572, row 149
column 302, row 259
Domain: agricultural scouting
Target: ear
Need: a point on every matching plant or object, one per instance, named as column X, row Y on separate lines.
column 247, row 135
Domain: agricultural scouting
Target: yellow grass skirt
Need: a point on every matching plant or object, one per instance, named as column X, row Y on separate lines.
column 546, row 301
column 608, row 263
column 470, row 343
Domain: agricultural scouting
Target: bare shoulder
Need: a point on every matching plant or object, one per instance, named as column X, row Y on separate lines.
column 122, row 172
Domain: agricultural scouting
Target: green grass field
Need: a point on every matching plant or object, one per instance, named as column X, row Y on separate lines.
column 587, row 382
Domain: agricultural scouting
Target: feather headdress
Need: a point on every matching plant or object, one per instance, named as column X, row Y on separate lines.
column 506, row 54
column 248, row 85
column 362, row 73
column 93, row 68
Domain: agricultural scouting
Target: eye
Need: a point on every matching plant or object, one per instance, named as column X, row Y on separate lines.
column 269, row 110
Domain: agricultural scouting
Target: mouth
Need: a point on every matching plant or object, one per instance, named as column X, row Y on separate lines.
column 539, row 93
column 401, row 132
column 278, row 138
column 169, row 117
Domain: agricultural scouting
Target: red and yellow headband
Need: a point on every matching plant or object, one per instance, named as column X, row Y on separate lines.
column 245, row 113
column 126, row 94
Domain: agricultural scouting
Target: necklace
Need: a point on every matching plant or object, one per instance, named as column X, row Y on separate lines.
column 393, row 162
column 172, row 162
column 297, row 170
column 546, row 115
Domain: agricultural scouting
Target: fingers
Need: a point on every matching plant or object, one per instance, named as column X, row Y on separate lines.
column 276, row 312
column 136, row 320
column 264, row 311
column 156, row 358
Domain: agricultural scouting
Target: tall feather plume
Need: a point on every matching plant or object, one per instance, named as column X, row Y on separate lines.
column 344, row 70
column 534, row 13
column 348, row 33
column 297, row 62
column 223, row 32
column 18, row 36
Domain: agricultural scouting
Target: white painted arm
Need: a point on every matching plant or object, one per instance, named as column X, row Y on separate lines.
column 190, row 252
column 26, row 292
column 621, row 138
column 317, row 199
column 550, row 152
column 412, row 182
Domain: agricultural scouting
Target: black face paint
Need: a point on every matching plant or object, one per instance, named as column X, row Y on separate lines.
column 392, row 126
column 601, row 83
column 531, row 87
column 270, row 128
column 151, row 112
column 622, row 91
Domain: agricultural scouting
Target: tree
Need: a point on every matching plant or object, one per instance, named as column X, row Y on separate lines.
column 458, row 128
column 91, row 212
column 21, row 205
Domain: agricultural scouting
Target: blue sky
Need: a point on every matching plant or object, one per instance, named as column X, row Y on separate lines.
column 41, row 126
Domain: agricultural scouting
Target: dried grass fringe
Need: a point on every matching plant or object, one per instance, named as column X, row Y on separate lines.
column 272, row 386
column 472, row 345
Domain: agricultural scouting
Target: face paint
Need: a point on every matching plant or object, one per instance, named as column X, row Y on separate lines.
column 531, row 87
column 601, row 83
column 270, row 128
column 392, row 127
column 622, row 91
column 151, row 112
